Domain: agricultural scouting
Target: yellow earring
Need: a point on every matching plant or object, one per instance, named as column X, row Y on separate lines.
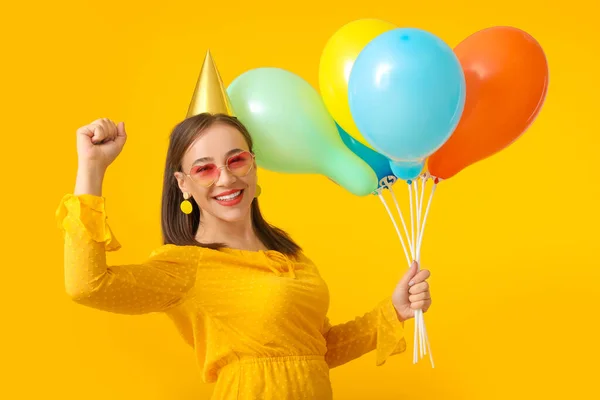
column 258, row 191
column 186, row 206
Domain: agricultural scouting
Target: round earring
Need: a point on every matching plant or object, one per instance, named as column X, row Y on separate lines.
column 186, row 206
column 258, row 191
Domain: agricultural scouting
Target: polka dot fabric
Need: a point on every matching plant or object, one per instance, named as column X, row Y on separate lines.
column 257, row 320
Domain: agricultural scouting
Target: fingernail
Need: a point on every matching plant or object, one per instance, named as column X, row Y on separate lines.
column 411, row 283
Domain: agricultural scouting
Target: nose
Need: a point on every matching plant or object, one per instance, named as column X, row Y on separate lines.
column 226, row 178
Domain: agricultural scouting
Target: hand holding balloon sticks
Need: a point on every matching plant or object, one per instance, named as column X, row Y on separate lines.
column 413, row 251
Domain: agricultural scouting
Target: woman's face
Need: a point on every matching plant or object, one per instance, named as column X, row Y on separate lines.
column 229, row 198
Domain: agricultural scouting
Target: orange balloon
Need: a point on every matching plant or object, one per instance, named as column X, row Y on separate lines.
column 506, row 75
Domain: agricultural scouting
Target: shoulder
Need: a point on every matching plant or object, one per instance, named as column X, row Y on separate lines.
column 172, row 253
column 302, row 258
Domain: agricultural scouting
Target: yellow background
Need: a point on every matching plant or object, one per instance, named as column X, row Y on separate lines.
column 511, row 242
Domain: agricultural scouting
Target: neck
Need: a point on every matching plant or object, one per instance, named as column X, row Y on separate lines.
column 236, row 235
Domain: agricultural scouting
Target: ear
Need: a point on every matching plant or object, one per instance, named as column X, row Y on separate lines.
column 181, row 181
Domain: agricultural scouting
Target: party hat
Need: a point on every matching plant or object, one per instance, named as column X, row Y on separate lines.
column 210, row 94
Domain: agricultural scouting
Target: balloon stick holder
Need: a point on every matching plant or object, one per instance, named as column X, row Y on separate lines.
column 412, row 246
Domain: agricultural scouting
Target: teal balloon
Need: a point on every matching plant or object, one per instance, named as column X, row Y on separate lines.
column 407, row 170
column 406, row 93
column 378, row 162
column 292, row 130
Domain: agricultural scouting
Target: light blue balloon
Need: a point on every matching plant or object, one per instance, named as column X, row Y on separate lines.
column 378, row 162
column 407, row 170
column 406, row 93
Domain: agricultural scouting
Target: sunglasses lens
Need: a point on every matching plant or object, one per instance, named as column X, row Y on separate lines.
column 204, row 174
column 240, row 164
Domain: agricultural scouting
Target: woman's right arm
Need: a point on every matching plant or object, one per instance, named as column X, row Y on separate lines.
column 162, row 281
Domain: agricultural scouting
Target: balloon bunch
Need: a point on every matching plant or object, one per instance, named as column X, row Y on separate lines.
column 396, row 104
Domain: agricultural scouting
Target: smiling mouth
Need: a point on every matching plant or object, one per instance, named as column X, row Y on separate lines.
column 230, row 196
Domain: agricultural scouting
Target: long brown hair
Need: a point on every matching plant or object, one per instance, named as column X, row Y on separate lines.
column 179, row 228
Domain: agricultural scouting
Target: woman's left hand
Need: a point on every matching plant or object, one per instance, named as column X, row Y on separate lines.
column 412, row 293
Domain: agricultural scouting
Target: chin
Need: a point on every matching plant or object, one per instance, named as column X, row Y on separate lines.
column 233, row 215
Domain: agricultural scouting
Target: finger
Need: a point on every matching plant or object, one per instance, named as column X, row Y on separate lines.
column 426, row 305
column 99, row 133
column 413, row 298
column 121, row 134
column 106, row 128
column 409, row 275
column 111, row 128
column 421, row 276
column 86, row 131
column 419, row 288
column 419, row 305
column 121, row 129
column 97, row 121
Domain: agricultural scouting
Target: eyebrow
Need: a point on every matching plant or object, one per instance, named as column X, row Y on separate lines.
column 227, row 155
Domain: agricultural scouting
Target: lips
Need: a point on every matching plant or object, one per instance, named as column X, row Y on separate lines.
column 230, row 197
column 226, row 194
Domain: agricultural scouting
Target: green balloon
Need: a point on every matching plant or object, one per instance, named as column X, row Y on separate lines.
column 293, row 131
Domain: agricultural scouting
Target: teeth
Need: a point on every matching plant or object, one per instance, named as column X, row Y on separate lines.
column 229, row 196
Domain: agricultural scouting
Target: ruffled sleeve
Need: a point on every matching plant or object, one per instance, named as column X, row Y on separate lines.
column 160, row 282
column 379, row 330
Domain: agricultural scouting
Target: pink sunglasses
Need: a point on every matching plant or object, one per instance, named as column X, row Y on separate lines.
column 238, row 165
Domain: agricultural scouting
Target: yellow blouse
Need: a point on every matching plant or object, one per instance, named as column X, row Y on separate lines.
column 256, row 320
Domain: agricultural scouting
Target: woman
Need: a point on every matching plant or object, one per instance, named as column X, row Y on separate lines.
column 240, row 291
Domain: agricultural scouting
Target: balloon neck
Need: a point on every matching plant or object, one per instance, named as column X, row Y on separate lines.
column 387, row 181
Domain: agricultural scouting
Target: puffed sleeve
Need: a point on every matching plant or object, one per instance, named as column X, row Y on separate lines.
column 380, row 330
column 158, row 283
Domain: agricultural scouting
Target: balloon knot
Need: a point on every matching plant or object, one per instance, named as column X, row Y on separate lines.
column 409, row 181
column 436, row 180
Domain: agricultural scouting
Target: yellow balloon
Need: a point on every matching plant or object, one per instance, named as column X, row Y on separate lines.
column 337, row 60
